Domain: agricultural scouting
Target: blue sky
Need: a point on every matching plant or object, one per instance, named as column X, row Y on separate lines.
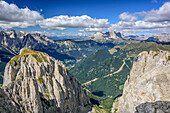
column 105, row 13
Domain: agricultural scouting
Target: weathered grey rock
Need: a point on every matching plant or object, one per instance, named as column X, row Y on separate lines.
column 38, row 83
column 6, row 105
column 154, row 107
column 149, row 81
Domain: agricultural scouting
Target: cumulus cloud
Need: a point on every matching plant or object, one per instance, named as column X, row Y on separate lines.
column 92, row 30
column 126, row 17
column 13, row 16
column 154, row 19
column 160, row 15
column 63, row 21
column 63, row 34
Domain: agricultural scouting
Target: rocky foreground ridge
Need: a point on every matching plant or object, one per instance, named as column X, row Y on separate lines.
column 149, row 81
column 36, row 82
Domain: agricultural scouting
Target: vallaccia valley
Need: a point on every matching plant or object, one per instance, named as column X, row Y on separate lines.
column 85, row 56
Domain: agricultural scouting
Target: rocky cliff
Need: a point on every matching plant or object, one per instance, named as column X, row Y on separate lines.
column 149, row 81
column 36, row 82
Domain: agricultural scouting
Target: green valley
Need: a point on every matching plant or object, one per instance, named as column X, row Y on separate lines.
column 104, row 73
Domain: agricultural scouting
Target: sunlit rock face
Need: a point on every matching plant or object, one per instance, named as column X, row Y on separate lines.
column 38, row 83
column 149, row 81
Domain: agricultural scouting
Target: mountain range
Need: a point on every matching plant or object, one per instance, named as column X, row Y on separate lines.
column 101, row 63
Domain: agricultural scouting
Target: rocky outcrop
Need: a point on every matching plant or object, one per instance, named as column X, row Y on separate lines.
column 38, row 83
column 149, row 81
column 154, row 107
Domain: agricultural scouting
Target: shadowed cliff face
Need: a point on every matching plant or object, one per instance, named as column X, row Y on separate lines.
column 149, row 81
column 154, row 107
column 38, row 83
column 6, row 105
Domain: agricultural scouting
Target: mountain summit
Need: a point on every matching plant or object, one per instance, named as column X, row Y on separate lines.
column 36, row 82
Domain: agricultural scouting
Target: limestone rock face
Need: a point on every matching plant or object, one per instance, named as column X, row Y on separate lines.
column 38, row 83
column 149, row 81
column 154, row 107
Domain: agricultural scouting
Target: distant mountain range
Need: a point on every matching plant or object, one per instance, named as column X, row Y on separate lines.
column 115, row 36
column 60, row 49
column 112, row 37
column 160, row 38
column 68, row 51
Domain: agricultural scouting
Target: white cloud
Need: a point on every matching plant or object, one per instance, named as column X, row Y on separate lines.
column 63, row 34
column 63, row 21
column 13, row 16
column 151, row 20
column 92, row 30
column 126, row 17
column 160, row 15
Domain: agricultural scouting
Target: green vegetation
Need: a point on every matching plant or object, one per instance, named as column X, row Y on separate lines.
column 79, row 49
column 12, row 99
column 90, row 66
column 40, row 80
column 121, row 87
column 115, row 110
column 106, row 67
column 69, row 63
column 47, row 95
column 155, row 55
column 39, row 56
column 101, row 103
